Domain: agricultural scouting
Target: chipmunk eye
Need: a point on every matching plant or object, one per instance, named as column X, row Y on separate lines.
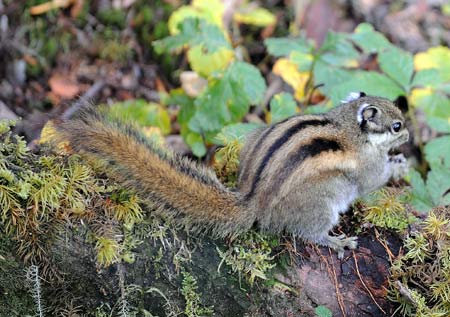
column 396, row 126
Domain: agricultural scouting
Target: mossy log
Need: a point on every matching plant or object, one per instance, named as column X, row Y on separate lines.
column 153, row 282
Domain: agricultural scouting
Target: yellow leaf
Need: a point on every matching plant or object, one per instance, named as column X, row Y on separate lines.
column 155, row 134
column 436, row 57
column 210, row 10
column 290, row 74
column 254, row 16
column 204, row 63
column 418, row 94
column 48, row 134
column 179, row 15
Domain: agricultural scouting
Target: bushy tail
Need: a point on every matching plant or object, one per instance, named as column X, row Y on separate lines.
column 172, row 184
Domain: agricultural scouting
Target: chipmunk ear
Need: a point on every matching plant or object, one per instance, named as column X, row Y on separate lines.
column 402, row 103
column 353, row 96
column 366, row 113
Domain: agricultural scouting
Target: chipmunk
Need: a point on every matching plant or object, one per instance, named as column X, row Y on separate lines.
column 296, row 175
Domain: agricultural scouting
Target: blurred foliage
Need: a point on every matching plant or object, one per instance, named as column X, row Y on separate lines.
column 143, row 113
column 232, row 85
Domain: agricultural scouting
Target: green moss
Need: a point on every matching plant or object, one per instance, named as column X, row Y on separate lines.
column 194, row 307
column 113, row 17
column 249, row 256
column 113, row 50
column 227, row 161
column 15, row 300
column 385, row 208
column 420, row 280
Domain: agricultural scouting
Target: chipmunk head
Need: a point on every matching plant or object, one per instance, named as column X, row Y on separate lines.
column 379, row 119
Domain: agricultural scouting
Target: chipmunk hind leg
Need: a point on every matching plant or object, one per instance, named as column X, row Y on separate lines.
column 326, row 219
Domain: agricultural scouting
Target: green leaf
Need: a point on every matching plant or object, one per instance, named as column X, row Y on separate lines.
column 235, row 131
column 397, row 64
column 210, row 10
column 369, row 40
column 337, row 50
column 213, row 111
column 195, row 142
column 426, row 78
column 188, row 30
column 437, row 110
column 192, row 32
column 284, row 46
column 420, row 198
column 251, row 80
column 282, row 106
column 438, row 185
column 302, row 60
column 144, row 113
column 329, row 76
column 437, row 151
column 254, row 16
column 187, row 111
column 227, row 99
column 372, row 83
column 322, row 311
column 211, row 37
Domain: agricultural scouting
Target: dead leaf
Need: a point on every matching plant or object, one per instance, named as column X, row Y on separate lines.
column 192, row 83
column 63, row 86
column 160, row 87
column 76, row 8
column 290, row 74
column 48, row 6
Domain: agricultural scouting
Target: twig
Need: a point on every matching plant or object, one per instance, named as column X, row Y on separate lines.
column 274, row 87
column 335, row 281
column 405, row 292
column 336, row 285
column 385, row 246
column 364, row 284
column 84, row 100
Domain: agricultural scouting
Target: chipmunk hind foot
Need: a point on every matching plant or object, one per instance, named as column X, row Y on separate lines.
column 339, row 243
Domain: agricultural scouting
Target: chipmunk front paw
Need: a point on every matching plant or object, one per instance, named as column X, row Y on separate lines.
column 400, row 166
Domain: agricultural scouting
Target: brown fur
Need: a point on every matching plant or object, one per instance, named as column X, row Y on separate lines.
column 173, row 184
